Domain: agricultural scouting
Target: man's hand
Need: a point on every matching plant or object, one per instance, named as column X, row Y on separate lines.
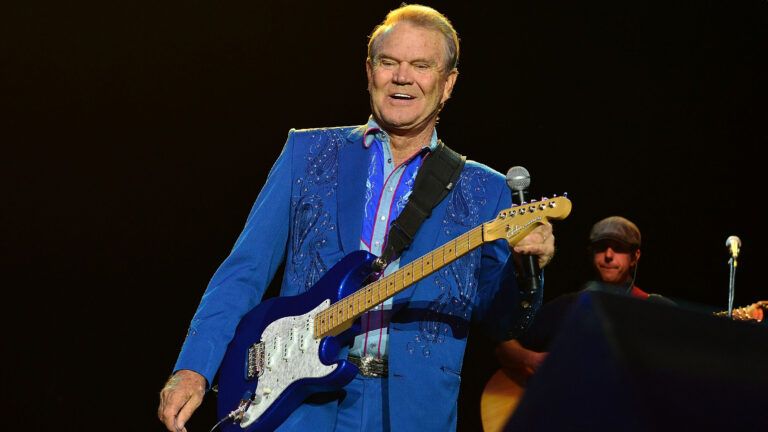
column 513, row 356
column 180, row 397
column 540, row 242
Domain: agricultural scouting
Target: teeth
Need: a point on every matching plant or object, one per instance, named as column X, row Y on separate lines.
column 402, row 96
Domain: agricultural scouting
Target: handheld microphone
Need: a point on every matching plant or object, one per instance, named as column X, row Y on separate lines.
column 518, row 179
column 733, row 244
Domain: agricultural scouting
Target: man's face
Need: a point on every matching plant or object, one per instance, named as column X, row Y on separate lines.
column 614, row 261
column 407, row 80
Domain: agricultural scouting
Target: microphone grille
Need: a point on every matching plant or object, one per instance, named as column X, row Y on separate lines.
column 733, row 240
column 518, row 178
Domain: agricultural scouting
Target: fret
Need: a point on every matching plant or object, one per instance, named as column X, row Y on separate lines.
column 475, row 238
column 382, row 285
column 375, row 294
column 389, row 285
column 427, row 266
column 323, row 322
column 383, row 291
column 461, row 245
column 438, row 259
column 468, row 239
column 368, row 297
column 450, row 251
column 375, row 289
column 397, row 281
column 418, row 268
column 408, row 274
column 350, row 307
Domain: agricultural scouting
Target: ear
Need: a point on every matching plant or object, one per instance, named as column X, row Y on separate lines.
column 636, row 257
column 450, row 81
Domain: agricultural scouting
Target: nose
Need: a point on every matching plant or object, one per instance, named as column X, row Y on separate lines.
column 402, row 75
column 609, row 253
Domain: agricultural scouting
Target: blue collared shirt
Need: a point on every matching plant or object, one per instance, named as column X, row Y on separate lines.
column 387, row 190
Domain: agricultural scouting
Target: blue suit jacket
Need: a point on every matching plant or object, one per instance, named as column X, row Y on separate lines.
column 309, row 215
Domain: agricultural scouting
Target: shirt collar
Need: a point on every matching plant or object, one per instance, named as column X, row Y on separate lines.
column 374, row 132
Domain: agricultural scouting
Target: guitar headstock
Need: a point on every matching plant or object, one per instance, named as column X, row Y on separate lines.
column 516, row 222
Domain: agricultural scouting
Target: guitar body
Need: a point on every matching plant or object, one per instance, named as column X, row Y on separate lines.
column 501, row 395
column 274, row 363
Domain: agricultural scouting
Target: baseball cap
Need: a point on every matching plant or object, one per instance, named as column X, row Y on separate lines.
column 616, row 228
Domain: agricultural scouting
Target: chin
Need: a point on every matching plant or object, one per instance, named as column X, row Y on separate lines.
column 612, row 279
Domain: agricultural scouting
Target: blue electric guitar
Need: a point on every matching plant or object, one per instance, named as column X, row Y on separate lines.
column 286, row 348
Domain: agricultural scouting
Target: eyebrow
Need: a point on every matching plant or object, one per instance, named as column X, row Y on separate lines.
column 416, row 60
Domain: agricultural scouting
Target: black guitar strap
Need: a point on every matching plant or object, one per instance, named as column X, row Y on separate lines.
column 437, row 176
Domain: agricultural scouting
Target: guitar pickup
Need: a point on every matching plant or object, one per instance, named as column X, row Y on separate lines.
column 288, row 347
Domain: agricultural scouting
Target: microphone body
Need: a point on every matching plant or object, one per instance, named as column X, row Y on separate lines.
column 518, row 180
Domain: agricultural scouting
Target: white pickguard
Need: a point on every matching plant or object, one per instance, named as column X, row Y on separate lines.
column 290, row 354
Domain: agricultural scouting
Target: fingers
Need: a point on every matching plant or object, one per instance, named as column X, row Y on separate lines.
column 540, row 242
column 180, row 397
column 186, row 411
column 171, row 402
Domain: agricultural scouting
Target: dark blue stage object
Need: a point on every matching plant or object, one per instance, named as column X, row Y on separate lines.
column 621, row 364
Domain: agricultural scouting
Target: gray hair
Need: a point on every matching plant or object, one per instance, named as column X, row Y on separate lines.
column 421, row 16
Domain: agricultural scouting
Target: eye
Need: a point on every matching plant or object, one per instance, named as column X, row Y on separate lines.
column 421, row 66
column 387, row 63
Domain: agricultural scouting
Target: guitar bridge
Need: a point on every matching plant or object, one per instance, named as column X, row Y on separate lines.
column 255, row 361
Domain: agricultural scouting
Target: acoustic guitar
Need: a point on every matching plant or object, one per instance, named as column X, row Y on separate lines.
column 504, row 390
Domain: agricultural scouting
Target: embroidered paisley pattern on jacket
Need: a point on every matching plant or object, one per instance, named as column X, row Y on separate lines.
column 311, row 221
column 458, row 281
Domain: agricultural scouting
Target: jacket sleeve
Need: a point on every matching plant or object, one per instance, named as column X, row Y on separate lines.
column 503, row 308
column 239, row 283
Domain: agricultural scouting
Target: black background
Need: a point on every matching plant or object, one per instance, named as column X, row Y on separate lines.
column 137, row 134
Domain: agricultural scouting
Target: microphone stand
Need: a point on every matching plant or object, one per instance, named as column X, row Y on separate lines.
column 731, row 284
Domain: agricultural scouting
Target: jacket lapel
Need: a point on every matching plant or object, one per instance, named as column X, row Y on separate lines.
column 353, row 171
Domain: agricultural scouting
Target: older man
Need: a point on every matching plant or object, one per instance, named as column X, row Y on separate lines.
column 336, row 190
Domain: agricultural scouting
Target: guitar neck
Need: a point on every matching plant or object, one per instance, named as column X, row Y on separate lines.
column 339, row 315
column 511, row 224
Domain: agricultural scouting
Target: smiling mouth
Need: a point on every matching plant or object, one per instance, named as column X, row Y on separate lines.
column 402, row 96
